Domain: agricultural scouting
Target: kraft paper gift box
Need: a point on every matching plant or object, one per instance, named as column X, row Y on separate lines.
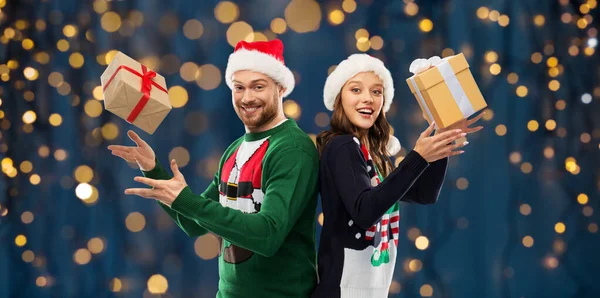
column 447, row 92
column 135, row 93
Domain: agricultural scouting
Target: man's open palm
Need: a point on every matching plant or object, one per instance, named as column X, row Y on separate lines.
column 142, row 153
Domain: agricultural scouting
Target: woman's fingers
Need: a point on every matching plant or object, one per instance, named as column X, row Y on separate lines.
column 447, row 153
column 451, row 137
column 450, row 150
column 429, row 130
column 475, row 119
column 474, row 129
column 459, row 145
column 455, row 153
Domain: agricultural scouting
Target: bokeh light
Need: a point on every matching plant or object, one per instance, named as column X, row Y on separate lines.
column 95, row 245
column 209, row 78
column 135, row 222
column 527, row 241
column 303, row 16
column 157, row 284
column 239, row 31
column 193, row 29
column 110, row 21
column 422, row 242
column 178, row 96
column 207, row 246
column 227, row 12
column 181, row 156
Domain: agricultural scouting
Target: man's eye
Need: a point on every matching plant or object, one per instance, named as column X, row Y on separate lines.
column 259, row 88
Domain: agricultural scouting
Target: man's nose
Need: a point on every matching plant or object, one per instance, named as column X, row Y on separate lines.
column 248, row 96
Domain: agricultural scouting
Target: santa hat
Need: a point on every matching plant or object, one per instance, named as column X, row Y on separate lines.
column 265, row 57
column 393, row 146
column 352, row 66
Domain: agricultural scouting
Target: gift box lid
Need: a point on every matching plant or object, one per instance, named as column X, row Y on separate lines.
column 432, row 76
column 122, row 59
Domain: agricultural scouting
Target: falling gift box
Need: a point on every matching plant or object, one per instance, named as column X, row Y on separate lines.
column 135, row 93
column 447, row 92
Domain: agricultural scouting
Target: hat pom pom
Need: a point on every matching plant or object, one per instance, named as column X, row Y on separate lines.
column 393, row 146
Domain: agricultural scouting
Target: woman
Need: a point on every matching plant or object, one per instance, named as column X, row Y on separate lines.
column 357, row 252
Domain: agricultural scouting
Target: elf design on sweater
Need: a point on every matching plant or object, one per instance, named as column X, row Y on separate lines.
column 359, row 239
column 374, row 246
column 388, row 222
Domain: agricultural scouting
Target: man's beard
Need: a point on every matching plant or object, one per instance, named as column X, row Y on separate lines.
column 269, row 112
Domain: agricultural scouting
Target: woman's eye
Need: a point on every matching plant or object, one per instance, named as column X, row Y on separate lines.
column 355, row 90
column 377, row 92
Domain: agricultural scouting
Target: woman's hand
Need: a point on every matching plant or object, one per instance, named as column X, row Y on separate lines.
column 439, row 146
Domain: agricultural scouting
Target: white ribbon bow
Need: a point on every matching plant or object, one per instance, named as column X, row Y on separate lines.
column 420, row 65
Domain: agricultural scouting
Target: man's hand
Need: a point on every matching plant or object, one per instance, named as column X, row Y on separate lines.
column 142, row 153
column 165, row 191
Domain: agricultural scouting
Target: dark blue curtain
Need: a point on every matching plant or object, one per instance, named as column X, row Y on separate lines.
column 517, row 215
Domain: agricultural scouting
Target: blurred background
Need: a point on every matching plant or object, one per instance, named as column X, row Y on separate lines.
column 518, row 214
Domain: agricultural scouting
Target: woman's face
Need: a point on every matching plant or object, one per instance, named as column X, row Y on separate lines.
column 362, row 99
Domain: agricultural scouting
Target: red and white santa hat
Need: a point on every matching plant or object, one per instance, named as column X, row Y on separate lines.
column 265, row 57
column 352, row 66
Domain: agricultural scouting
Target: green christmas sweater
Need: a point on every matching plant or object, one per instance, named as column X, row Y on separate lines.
column 261, row 205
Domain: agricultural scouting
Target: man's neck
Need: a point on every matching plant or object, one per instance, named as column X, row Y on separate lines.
column 274, row 122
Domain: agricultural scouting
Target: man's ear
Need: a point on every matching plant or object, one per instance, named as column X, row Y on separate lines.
column 281, row 90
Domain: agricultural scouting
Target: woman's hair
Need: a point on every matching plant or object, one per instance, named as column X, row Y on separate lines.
column 378, row 136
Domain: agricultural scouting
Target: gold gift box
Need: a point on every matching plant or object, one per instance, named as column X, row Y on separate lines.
column 438, row 88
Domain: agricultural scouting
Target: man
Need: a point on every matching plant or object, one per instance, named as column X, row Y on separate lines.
column 262, row 200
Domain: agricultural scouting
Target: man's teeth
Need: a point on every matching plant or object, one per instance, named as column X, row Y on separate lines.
column 251, row 109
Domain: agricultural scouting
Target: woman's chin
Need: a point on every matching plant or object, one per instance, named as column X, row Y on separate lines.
column 362, row 124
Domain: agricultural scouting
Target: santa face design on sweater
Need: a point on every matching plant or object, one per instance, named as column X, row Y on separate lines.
column 240, row 187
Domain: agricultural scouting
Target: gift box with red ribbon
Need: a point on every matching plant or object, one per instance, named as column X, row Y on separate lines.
column 135, row 93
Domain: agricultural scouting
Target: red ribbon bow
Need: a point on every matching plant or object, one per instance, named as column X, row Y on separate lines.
column 147, row 83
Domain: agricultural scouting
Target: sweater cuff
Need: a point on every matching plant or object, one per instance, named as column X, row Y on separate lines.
column 415, row 162
column 186, row 202
column 155, row 171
